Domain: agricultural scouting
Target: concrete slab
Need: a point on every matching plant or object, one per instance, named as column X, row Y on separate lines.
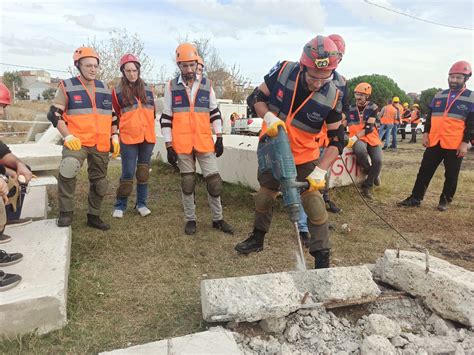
column 41, row 124
column 446, row 289
column 216, row 341
column 51, row 135
column 38, row 303
column 252, row 298
column 38, row 156
column 238, row 163
column 36, row 203
column 44, row 181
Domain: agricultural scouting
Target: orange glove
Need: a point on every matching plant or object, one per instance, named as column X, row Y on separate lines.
column 72, row 143
column 115, row 145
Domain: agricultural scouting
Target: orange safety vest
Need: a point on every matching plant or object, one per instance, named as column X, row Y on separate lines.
column 137, row 120
column 415, row 116
column 389, row 115
column 449, row 121
column 356, row 122
column 400, row 113
column 88, row 117
column 406, row 116
column 305, row 122
column 322, row 137
column 191, row 120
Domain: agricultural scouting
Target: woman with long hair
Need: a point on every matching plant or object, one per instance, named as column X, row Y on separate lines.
column 133, row 102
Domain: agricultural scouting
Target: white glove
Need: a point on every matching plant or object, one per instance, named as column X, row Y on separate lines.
column 273, row 122
column 352, row 141
column 317, row 179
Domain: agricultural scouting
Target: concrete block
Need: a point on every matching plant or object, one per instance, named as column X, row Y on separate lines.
column 215, row 341
column 38, row 303
column 376, row 344
column 35, row 204
column 38, row 156
column 238, row 163
column 43, row 181
column 252, row 298
column 50, row 136
column 446, row 289
column 381, row 325
column 41, row 124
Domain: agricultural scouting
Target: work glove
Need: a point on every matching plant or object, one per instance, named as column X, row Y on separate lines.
column 172, row 156
column 351, row 141
column 273, row 122
column 115, row 146
column 219, row 147
column 72, row 143
column 317, row 179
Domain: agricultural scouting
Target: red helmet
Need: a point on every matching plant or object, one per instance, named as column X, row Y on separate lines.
column 128, row 58
column 461, row 67
column 340, row 44
column 320, row 53
column 5, row 98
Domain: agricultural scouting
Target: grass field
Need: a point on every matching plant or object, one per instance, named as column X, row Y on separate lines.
column 140, row 282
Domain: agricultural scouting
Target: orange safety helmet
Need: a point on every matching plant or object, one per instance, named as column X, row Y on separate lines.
column 320, row 53
column 200, row 61
column 461, row 67
column 364, row 88
column 84, row 52
column 339, row 42
column 5, row 97
column 128, row 58
column 416, row 105
column 186, row 52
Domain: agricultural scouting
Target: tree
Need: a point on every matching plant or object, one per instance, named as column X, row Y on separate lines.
column 426, row 98
column 13, row 81
column 23, row 94
column 383, row 89
column 111, row 50
column 48, row 94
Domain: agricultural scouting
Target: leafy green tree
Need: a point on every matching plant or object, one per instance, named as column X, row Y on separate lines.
column 23, row 94
column 426, row 98
column 12, row 80
column 48, row 94
column 383, row 89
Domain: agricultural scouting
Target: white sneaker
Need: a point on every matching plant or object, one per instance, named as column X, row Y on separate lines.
column 117, row 214
column 144, row 211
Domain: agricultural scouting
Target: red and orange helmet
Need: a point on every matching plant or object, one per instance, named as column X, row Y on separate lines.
column 320, row 53
column 364, row 88
column 461, row 67
column 339, row 42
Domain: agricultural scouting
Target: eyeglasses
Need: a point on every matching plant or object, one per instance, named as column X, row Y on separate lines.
column 91, row 66
column 318, row 80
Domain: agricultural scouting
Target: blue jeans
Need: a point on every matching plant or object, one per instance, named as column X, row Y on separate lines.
column 133, row 154
column 385, row 132
column 394, row 135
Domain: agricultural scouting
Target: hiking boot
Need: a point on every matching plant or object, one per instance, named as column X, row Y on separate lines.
column 321, row 258
column 190, row 228
column 8, row 281
column 4, row 238
column 65, row 219
column 367, row 193
column 19, row 222
column 223, row 226
column 443, row 204
column 95, row 222
column 378, row 181
column 410, row 201
column 9, row 259
column 254, row 243
column 331, row 207
column 304, row 236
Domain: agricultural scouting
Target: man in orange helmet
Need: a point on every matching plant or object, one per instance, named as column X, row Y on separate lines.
column 448, row 128
column 300, row 97
column 82, row 113
column 190, row 108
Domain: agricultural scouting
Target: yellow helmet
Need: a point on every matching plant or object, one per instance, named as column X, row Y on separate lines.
column 405, row 104
column 416, row 105
column 395, row 99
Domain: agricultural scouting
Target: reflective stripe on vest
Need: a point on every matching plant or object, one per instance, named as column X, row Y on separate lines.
column 89, row 118
column 448, row 122
column 304, row 122
column 137, row 120
column 356, row 122
column 191, row 120
column 389, row 115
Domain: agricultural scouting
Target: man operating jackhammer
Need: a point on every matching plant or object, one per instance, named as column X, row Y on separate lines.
column 300, row 97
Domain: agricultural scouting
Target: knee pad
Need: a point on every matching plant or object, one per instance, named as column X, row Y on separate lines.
column 188, row 182
column 214, row 184
column 142, row 173
column 315, row 207
column 264, row 199
column 100, row 186
column 125, row 188
column 69, row 167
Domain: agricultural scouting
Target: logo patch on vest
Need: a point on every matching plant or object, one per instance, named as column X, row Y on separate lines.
column 77, row 99
column 462, row 107
column 178, row 100
column 280, row 94
column 107, row 103
column 203, row 99
column 314, row 117
column 438, row 103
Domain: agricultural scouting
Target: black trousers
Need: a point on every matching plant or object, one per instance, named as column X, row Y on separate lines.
column 432, row 157
column 402, row 128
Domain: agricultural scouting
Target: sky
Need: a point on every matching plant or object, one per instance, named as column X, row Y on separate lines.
column 254, row 34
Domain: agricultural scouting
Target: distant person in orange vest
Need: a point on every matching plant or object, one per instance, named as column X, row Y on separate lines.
column 405, row 119
column 134, row 105
column 415, row 118
column 82, row 113
column 388, row 116
column 364, row 135
column 448, row 128
column 190, row 108
column 397, row 123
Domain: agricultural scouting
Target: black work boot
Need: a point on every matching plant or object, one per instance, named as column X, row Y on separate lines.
column 304, row 236
column 321, row 258
column 254, row 243
column 443, row 204
column 331, row 207
column 410, row 201
column 95, row 222
column 223, row 226
column 64, row 219
column 190, row 228
column 367, row 192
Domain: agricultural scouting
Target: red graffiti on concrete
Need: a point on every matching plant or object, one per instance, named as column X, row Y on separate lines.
column 337, row 168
